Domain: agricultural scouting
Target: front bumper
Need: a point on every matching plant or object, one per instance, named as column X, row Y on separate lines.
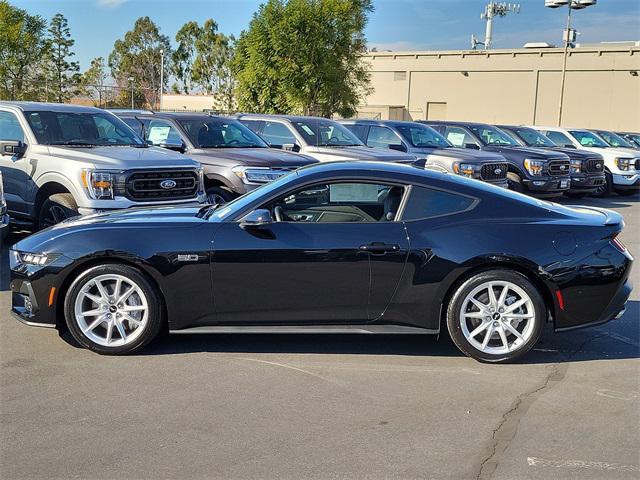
column 586, row 182
column 547, row 185
column 111, row 205
column 629, row 180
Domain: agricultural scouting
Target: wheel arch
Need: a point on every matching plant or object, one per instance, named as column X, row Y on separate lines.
column 215, row 180
column 49, row 185
column 525, row 268
column 145, row 269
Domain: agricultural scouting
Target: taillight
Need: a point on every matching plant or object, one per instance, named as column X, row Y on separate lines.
column 618, row 244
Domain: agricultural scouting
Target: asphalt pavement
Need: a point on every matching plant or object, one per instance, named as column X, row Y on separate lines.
column 323, row 406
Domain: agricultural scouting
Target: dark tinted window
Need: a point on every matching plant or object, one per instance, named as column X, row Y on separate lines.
column 359, row 130
column 254, row 125
column 277, row 134
column 492, row 135
column 559, row 139
column 421, row 136
column 532, row 138
column 325, row 133
column 135, row 124
column 382, row 137
column 206, row 132
column 427, row 203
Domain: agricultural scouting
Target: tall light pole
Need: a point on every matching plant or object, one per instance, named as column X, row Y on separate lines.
column 568, row 39
column 131, row 81
column 161, row 77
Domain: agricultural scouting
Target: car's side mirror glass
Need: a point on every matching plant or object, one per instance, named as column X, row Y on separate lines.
column 399, row 147
column 256, row 218
column 12, row 148
column 471, row 146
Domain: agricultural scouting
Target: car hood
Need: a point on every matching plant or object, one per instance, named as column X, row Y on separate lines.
column 462, row 154
column 527, row 152
column 123, row 158
column 360, row 153
column 45, row 240
column 255, row 157
column 573, row 152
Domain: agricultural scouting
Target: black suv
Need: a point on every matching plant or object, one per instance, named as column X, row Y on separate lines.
column 235, row 160
column 587, row 168
column 543, row 173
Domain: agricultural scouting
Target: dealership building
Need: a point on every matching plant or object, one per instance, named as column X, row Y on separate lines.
column 510, row 86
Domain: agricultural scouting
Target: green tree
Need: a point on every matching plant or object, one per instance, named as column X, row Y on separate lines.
column 304, row 56
column 22, row 47
column 137, row 56
column 65, row 74
column 93, row 81
column 203, row 60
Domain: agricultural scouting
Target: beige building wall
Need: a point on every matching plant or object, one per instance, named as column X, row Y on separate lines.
column 519, row 86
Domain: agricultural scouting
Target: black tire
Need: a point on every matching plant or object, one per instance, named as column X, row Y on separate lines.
column 627, row 193
column 604, row 190
column 515, row 182
column 154, row 319
column 219, row 195
column 576, row 194
column 56, row 208
column 454, row 324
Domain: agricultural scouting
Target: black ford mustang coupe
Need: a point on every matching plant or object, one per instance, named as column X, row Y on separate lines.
column 359, row 247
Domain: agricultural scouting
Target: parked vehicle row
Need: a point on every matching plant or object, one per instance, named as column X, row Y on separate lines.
column 340, row 247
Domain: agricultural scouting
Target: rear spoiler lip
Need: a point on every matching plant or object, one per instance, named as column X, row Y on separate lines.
column 611, row 218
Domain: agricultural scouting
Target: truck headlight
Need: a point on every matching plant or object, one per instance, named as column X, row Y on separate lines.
column 623, row 163
column 99, row 184
column 465, row 169
column 253, row 175
column 534, row 167
column 576, row 166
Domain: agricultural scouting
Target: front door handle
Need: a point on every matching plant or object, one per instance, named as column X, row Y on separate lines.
column 379, row 248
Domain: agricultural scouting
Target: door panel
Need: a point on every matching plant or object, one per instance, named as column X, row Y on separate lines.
column 14, row 168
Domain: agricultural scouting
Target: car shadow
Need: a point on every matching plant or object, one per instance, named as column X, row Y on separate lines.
column 613, row 201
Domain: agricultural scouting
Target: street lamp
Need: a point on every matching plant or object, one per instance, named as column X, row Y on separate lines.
column 569, row 37
column 131, row 82
column 161, row 77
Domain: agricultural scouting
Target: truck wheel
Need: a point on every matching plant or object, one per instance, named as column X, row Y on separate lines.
column 605, row 189
column 56, row 208
column 515, row 182
column 217, row 195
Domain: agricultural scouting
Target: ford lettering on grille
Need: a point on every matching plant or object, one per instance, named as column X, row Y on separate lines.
column 168, row 184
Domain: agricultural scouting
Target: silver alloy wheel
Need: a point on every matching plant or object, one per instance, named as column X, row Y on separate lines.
column 111, row 310
column 497, row 317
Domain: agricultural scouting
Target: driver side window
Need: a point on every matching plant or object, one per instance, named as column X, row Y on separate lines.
column 339, row 203
column 159, row 132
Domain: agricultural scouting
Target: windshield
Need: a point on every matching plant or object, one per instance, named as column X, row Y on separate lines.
column 421, row 136
column 588, row 139
column 209, row 132
column 84, row 129
column 614, row 139
column 326, row 133
column 492, row 136
column 532, row 138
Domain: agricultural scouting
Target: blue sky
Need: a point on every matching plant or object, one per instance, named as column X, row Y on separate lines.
column 394, row 25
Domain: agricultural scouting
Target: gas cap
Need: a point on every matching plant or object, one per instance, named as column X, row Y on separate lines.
column 565, row 243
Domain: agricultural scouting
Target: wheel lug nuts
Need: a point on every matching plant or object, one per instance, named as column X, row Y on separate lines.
column 495, row 324
column 501, row 310
column 487, row 318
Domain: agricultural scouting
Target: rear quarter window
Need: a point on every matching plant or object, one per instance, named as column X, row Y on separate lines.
column 429, row 203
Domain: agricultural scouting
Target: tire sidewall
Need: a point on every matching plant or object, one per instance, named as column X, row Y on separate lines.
column 455, row 304
column 67, row 204
column 154, row 321
column 225, row 194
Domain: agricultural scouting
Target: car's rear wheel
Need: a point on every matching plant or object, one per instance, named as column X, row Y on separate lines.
column 113, row 309
column 496, row 316
column 56, row 208
column 218, row 195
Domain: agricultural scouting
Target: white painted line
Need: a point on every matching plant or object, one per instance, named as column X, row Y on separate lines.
column 616, row 467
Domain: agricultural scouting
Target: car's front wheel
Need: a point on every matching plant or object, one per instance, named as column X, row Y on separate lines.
column 56, row 208
column 496, row 316
column 113, row 309
column 218, row 195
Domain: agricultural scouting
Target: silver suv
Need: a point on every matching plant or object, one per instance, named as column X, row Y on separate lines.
column 59, row 161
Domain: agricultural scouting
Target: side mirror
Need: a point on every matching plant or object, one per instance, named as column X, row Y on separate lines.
column 399, row 147
column 12, row 147
column 471, row 146
column 291, row 147
column 177, row 147
column 257, row 218
column 571, row 145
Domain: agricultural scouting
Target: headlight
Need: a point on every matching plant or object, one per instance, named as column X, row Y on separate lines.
column 256, row 174
column 534, row 167
column 25, row 258
column 623, row 163
column 99, row 184
column 465, row 169
column 576, row 166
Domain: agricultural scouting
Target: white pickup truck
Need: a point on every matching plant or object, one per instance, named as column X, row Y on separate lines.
column 622, row 165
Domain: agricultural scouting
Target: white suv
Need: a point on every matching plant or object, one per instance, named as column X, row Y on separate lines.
column 622, row 165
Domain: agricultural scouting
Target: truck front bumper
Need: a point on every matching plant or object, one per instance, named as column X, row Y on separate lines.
column 626, row 181
column 547, row 186
column 586, row 182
